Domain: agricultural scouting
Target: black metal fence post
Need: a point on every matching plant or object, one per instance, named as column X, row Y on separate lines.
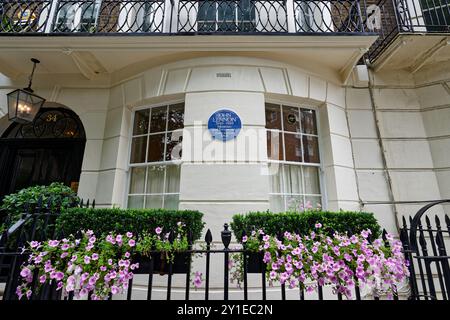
column 226, row 239
column 208, row 240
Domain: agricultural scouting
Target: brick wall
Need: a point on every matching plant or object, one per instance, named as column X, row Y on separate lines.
column 108, row 18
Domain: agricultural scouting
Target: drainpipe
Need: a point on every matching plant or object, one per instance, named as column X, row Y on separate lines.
column 381, row 144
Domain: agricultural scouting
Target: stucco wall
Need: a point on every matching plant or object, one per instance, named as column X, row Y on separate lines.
column 412, row 113
column 225, row 180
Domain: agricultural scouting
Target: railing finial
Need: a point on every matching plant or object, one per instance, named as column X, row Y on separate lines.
column 226, row 236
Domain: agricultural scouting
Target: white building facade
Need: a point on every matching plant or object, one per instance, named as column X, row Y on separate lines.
column 317, row 127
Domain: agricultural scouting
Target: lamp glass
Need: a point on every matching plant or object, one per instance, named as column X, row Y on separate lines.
column 23, row 105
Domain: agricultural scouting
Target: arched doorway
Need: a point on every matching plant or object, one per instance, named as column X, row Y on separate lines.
column 50, row 149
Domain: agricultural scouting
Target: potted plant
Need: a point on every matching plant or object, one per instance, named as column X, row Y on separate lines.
column 165, row 250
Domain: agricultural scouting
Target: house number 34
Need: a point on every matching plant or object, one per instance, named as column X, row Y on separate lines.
column 51, row 118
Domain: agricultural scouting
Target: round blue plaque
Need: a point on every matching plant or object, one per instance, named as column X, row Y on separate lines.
column 224, row 125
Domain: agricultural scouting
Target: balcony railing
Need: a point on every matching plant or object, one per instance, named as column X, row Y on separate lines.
column 180, row 17
column 392, row 17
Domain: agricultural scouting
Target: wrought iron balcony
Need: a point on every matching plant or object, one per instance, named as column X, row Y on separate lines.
column 391, row 18
column 87, row 17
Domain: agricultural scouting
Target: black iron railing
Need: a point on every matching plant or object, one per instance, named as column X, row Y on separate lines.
column 180, row 17
column 390, row 18
column 424, row 245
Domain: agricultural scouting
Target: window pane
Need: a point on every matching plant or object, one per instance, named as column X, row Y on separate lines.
column 311, row 148
column 293, row 179
column 176, row 117
column 247, row 10
column 274, row 145
column 314, row 202
column 155, row 179
column 141, row 122
column 275, row 170
column 171, row 201
column 173, row 179
column 153, row 202
column 311, row 176
column 273, row 116
column 293, row 147
column 137, row 180
column 206, row 11
column 136, row 202
column 276, row 203
column 294, row 203
column 291, row 120
column 308, row 121
column 138, row 146
column 158, row 119
column 174, row 144
column 156, row 147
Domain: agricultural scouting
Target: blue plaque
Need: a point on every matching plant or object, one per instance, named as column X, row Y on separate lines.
column 224, row 125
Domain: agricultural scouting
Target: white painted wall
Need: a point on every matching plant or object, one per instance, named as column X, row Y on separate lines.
column 412, row 120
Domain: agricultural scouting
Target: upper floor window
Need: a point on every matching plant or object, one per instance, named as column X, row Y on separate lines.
column 293, row 152
column 226, row 16
column 436, row 15
column 155, row 147
column 79, row 16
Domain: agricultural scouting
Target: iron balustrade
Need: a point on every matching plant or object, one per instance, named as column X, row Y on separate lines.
column 424, row 242
column 337, row 16
column 231, row 16
column 86, row 17
column 425, row 247
column 393, row 17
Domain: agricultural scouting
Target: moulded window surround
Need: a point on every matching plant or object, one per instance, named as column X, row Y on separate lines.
column 155, row 151
column 296, row 173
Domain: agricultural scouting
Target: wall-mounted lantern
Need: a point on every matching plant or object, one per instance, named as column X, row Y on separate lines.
column 23, row 105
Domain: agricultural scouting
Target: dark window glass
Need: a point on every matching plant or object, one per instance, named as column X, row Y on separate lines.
column 273, row 116
column 176, row 117
column 141, row 122
column 293, row 145
column 291, row 120
column 138, row 147
column 308, row 121
column 158, row 119
column 311, row 148
column 156, row 147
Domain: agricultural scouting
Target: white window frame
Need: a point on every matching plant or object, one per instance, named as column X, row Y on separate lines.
column 319, row 166
column 146, row 164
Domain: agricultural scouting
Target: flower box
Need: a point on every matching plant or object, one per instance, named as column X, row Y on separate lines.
column 255, row 262
column 161, row 263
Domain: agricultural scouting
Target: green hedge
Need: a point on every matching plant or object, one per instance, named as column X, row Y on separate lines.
column 303, row 222
column 123, row 220
column 57, row 195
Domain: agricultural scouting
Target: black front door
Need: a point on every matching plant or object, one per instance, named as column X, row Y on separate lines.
column 48, row 150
